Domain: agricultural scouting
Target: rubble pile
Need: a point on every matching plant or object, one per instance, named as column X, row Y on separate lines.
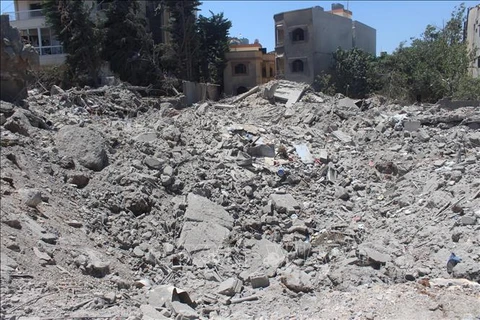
column 275, row 204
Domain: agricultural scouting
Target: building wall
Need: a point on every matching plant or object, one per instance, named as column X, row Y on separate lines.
column 364, row 37
column 473, row 38
column 325, row 32
column 258, row 68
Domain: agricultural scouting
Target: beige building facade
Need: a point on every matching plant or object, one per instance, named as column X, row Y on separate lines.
column 248, row 65
column 306, row 39
column 472, row 36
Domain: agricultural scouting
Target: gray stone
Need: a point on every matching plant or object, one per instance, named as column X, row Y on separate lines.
column 85, row 145
column 154, row 163
column 284, row 203
column 56, row 90
column 259, row 280
column 150, row 313
column 297, row 280
column 200, row 209
column 74, row 223
column 467, row 221
column 373, row 254
column 79, row 179
column 267, row 256
column 31, row 197
column 13, row 223
column 146, row 137
column 3, row 119
column 342, row 136
column 303, row 249
column 342, row 193
column 410, row 125
column 49, row 238
column 171, row 133
column 137, row 252
column 230, row 287
column 183, row 311
column 18, row 123
column 200, row 236
column 168, row 171
column 423, row 135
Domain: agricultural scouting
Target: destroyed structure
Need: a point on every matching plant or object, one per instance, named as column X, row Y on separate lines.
column 472, row 37
column 305, row 40
column 279, row 203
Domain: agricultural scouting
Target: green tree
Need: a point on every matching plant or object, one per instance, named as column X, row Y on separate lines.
column 184, row 36
column 127, row 46
column 213, row 35
column 79, row 36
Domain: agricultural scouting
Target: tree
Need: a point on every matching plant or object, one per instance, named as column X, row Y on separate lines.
column 213, row 35
column 184, row 36
column 79, row 36
column 127, row 45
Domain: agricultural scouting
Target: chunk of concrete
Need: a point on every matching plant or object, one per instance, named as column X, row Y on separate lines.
column 297, row 280
column 230, row 287
column 259, row 280
column 160, row 296
column 284, row 203
column 411, row 125
column 342, row 136
column 200, row 209
column 261, row 151
column 31, row 197
column 200, row 236
column 150, row 313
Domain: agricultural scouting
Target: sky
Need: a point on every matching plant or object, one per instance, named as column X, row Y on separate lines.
column 395, row 21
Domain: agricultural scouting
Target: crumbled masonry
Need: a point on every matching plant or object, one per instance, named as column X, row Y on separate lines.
column 300, row 206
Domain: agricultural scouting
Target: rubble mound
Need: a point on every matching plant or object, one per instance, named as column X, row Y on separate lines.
column 277, row 204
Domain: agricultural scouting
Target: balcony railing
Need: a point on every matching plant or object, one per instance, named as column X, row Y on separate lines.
column 25, row 15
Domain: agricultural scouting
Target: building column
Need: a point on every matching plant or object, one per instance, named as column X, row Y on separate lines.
column 39, row 41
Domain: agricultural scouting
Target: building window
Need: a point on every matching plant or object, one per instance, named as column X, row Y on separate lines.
column 478, row 62
column 279, row 35
column 297, row 66
column 298, row 35
column 240, row 69
column 35, row 10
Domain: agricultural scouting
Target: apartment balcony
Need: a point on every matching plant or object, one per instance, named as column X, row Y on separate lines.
column 27, row 19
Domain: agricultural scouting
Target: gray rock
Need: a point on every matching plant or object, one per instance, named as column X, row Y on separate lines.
column 150, row 313
column 81, row 180
column 14, row 223
column 467, row 221
column 3, row 119
column 183, row 311
column 303, row 249
column 284, row 203
column 259, row 280
column 31, row 197
column 342, row 193
column 146, row 137
column 230, row 287
column 56, row 90
column 18, row 123
column 85, row 145
column 49, row 238
column 168, row 171
column 171, row 133
column 410, row 125
column 200, row 209
column 423, row 135
column 74, row 223
column 154, row 163
column 137, row 252
column 297, row 280
column 343, row 137
column 372, row 254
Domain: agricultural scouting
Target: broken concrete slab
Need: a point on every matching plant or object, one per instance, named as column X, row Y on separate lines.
column 150, row 313
column 284, row 203
column 259, row 280
column 200, row 236
column 230, row 287
column 289, row 93
column 160, row 295
column 342, row 136
column 411, row 125
column 304, row 153
column 297, row 280
column 200, row 209
column 267, row 257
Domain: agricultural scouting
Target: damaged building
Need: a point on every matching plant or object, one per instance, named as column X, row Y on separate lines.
column 248, row 65
column 305, row 40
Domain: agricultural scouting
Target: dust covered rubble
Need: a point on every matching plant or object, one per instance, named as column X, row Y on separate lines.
column 246, row 207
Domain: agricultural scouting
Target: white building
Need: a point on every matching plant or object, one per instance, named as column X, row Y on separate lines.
column 472, row 33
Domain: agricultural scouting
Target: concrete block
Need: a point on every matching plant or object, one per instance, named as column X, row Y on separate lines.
column 259, row 280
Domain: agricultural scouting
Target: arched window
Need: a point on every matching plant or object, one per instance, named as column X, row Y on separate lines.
column 240, row 69
column 297, row 66
column 298, row 34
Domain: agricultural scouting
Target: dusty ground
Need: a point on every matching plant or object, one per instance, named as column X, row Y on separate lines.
column 109, row 199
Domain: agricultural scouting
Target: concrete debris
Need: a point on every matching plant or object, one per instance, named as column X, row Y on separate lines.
column 112, row 201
